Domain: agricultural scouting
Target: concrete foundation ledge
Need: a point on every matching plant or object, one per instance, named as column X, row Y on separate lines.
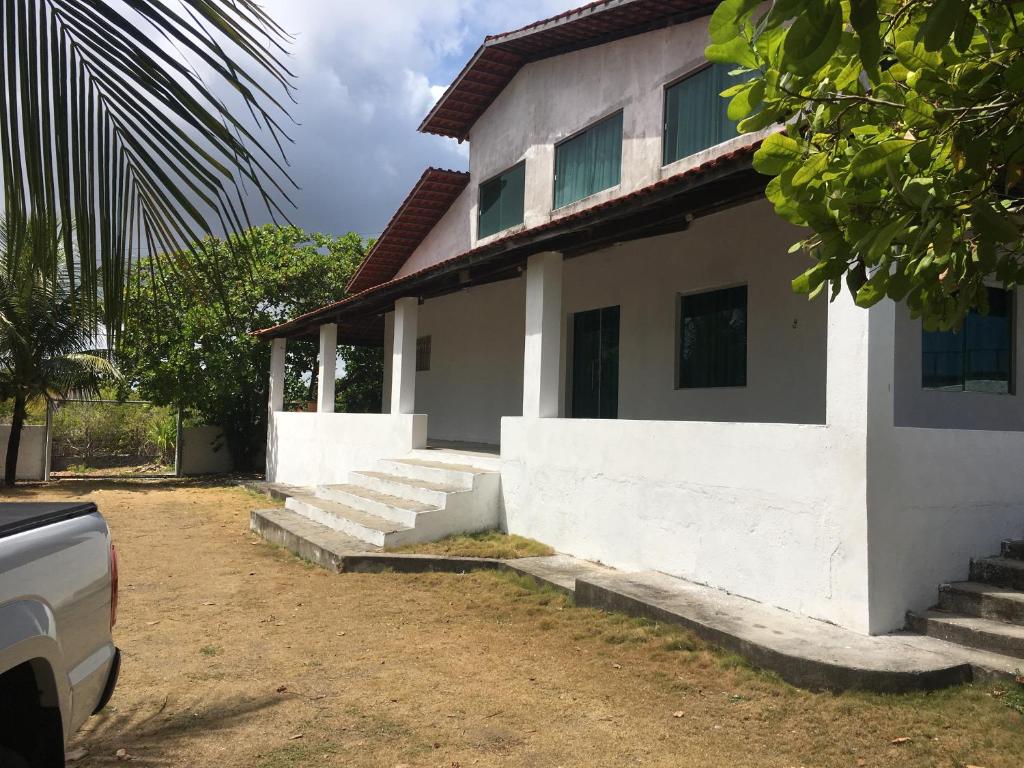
column 803, row 652
column 412, row 563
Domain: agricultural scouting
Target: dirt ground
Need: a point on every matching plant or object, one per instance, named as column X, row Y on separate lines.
column 237, row 654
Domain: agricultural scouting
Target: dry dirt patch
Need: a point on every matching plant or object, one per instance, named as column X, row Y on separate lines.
column 237, row 654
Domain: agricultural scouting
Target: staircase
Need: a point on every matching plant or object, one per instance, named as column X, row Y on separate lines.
column 423, row 496
column 987, row 612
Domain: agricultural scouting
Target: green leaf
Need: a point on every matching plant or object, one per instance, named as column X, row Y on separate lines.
column 777, row 153
column 735, row 51
column 964, row 33
column 811, row 279
column 747, row 100
column 942, row 20
column 813, row 38
column 993, row 225
column 725, row 21
column 914, row 56
column 811, row 169
column 1013, row 78
column 919, row 113
column 864, row 19
column 873, row 291
column 873, row 159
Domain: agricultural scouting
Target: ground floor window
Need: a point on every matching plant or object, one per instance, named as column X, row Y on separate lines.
column 423, row 353
column 978, row 357
column 713, row 339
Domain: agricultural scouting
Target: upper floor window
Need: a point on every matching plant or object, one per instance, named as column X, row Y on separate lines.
column 589, row 161
column 501, row 201
column 977, row 358
column 713, row 339
column 695, row 113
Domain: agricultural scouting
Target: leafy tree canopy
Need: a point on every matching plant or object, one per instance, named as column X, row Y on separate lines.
column 180, row 349
column 904, row 141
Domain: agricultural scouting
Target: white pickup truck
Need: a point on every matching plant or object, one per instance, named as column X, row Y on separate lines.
column 58, row 603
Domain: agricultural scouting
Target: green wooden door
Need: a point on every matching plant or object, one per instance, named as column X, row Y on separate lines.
column 595, row 364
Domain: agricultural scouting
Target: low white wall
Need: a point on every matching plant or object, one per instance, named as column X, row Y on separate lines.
column 773, row 512
column 204, row 451
column 937, row 498
column 31, row 452
column 322, row 448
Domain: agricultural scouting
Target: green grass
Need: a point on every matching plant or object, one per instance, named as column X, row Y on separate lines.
column 494, row 544
column 211, row 650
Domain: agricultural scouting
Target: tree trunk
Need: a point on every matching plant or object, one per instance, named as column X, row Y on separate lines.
column 14, row 442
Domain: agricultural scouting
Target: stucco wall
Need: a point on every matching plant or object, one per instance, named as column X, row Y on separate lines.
column 548, row 101
column 31, row 452
column 322, row 448
column 476, row 366
column 786, row 334
column 917, row 407
column 204, row 451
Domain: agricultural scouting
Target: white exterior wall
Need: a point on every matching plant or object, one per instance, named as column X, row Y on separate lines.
column 31, row 452
column 322, row 448
column 785, row 332
column 204, row 451
column 449, row 237
column 476, row 362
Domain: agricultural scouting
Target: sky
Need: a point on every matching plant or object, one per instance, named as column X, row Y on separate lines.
column 367, row 72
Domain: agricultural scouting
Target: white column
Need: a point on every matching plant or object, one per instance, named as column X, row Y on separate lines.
column 278, row 348
column 326, row 372
column 403, row 356
column 542, row 353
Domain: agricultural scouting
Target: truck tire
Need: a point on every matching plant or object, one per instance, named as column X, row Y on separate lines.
column 9, row 759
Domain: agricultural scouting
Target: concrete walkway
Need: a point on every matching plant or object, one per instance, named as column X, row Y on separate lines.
column 804, row 652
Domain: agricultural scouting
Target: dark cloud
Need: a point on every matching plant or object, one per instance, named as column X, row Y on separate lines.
column 367, row 73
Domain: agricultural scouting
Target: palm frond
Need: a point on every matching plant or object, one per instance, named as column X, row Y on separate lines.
column 112, row 141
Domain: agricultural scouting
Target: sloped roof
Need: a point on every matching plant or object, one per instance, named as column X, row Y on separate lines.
column 582, row 227
column 424, row 206
column 500, row 57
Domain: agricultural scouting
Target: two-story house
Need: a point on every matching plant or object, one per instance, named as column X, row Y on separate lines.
column 591, row 336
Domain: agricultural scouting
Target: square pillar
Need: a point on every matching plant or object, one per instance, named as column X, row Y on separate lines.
column 543, row 348
column 278, row 351
column 326, row 373
column 403, row 356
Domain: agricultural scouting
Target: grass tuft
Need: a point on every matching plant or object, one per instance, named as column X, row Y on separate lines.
column 494, row 544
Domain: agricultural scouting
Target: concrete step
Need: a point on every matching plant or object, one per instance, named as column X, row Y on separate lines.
column 972, row 631
column 489, row 462
column 424, row 491
column 309, row 540
column 985, row 601
column 999, row 571
column 383, row 505
column 460, row 476
column 1012, row 549
column 353, row 522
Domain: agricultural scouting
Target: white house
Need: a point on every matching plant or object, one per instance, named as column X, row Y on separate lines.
column 598, row 318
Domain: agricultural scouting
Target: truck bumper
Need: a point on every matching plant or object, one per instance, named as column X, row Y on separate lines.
column 108, row 689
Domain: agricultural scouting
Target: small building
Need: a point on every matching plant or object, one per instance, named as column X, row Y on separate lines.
column 599, row 315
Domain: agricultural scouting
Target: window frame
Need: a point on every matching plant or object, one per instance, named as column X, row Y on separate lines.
column 479, row 197
column 677, row 338
column 426, row 343
column 665, row 162
column 575, row 135
column 1012, row 346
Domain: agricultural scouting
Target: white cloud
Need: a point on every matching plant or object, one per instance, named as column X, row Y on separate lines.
column 367, row 73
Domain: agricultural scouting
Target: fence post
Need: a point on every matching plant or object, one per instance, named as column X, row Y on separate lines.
column 48, row 442
column 177, row 445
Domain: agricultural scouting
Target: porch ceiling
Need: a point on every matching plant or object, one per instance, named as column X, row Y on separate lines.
column 660, row 208
column 500, row 57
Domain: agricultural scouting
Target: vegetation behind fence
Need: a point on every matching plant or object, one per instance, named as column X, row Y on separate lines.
column 103, row 434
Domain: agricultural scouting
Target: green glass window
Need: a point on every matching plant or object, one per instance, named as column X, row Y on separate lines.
column 978, row 358
column 501, row 201
column 713, row 339
column 695, row 112
column 589, row 162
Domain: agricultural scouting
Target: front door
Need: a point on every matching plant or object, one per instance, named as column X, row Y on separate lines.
column 595, row 364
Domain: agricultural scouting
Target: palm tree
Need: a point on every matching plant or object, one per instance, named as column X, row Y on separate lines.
column 110, row 134
column 46, row 333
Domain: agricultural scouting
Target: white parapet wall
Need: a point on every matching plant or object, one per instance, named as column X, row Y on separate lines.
column 204, row 451
column 31, row 452
column 322, row 448
column 773, row 512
